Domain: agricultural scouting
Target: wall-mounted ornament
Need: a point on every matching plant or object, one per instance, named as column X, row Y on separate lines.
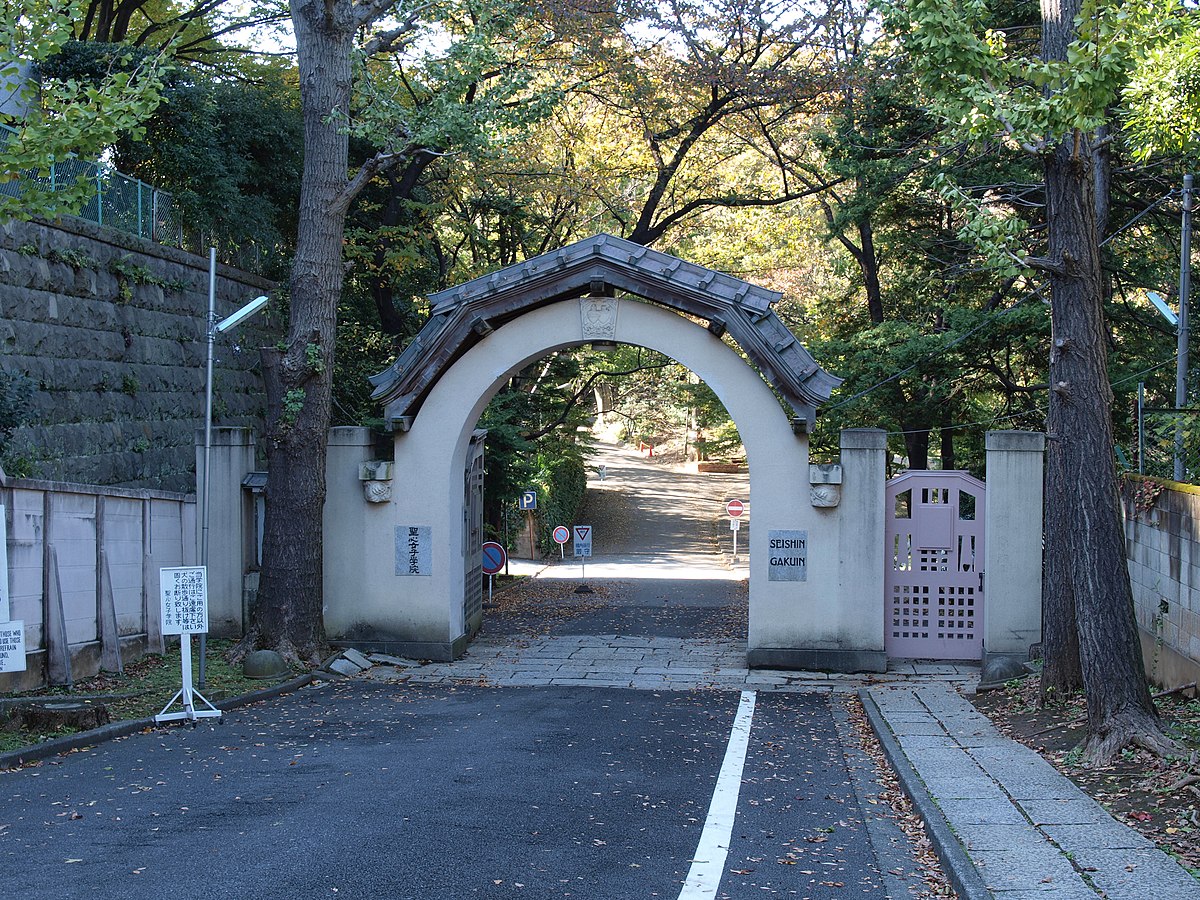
column 599, row 318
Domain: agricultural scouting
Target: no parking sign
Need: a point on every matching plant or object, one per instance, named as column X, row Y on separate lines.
column 494, row 558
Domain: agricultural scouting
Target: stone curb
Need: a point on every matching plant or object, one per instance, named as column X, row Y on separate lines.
column 963, row 875
column 14, row 759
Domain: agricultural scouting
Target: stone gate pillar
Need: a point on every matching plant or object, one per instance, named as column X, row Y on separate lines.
column 1012, row 588
column 860, row 546
column 348, row 529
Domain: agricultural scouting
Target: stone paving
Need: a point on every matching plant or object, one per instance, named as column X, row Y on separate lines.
column 1027, row 830
column 648, row 663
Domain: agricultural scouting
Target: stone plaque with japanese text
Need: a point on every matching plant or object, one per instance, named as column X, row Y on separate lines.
column 414, row 550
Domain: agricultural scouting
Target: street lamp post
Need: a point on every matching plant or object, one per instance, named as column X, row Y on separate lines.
column 212, row 329
column 1181, row 323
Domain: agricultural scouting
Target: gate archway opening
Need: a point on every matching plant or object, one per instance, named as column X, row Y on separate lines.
column 409, row 568
column 661, row 543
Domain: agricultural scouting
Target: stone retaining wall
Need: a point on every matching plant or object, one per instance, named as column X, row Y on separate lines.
column 112, row 328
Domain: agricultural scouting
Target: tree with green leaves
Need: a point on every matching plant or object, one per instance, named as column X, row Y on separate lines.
column 356, row 81
column 1162, row 95
column 1058, row 106
column 226, row 149
column 64, row 117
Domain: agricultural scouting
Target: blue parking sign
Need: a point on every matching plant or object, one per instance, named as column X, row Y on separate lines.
column 528, row 500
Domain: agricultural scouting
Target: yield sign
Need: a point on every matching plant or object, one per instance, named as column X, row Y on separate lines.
column 583, row 540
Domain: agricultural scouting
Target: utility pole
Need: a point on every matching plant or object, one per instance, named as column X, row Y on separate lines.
column 1185, row 290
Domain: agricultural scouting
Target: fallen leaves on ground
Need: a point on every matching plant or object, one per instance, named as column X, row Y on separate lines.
column 1158, row 796
column 936, row 881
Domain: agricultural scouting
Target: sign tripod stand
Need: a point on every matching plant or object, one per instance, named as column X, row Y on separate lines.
column 185, row 612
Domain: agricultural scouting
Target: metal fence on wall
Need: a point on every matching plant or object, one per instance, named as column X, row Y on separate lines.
column 117, row 201
column 1161, row 436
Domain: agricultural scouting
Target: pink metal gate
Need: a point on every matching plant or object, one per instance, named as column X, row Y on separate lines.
column 934, row 566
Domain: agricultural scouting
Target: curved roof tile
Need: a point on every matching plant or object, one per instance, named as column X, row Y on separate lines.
column 461, row 315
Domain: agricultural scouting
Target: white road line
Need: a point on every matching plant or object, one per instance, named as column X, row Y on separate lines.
column 708, row 864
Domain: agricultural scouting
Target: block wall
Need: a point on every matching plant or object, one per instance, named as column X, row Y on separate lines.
column 77, row 555
column 1163, row 548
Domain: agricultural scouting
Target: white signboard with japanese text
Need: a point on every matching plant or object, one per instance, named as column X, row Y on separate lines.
column 12, row 647
column 184, row 600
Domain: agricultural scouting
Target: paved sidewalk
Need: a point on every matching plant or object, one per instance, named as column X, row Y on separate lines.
column 1027, row 830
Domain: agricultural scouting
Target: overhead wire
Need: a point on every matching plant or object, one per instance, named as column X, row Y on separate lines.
column 1039, row 408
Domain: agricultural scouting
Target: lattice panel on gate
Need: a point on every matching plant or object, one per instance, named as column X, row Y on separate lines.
column 934, row 558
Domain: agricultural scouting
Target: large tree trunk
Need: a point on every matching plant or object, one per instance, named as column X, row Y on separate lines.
column 1085, row 541
column 287, row 616
column 1062, row 674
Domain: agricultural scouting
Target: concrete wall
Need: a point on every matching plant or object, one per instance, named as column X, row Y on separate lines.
column 355, row 531
column 1163, row 547
column 136, row 532
column 112, row 328
column 231, row 550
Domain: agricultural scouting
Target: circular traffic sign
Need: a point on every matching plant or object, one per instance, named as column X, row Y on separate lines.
column 735, row 508
column 561, row 534
column 493, row 558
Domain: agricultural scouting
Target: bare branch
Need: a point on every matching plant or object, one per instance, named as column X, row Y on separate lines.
column 394, row 38
column 367, row 12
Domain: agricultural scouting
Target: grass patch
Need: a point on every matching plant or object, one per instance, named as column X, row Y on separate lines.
column 142, row 691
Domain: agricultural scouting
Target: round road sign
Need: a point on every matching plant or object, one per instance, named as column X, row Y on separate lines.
column 735, row 508
column 493, row 558
column 562, row 534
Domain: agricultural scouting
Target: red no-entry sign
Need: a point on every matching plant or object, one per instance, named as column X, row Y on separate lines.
column 735, row 508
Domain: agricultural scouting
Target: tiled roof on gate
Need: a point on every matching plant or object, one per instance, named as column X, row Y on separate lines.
column 462, row 315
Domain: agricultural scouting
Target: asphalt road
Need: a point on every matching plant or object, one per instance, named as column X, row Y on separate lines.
column 441, row 792
column 661, row 561
column 404, row 791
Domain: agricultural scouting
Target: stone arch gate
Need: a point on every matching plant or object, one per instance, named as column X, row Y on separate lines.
column 394, row 569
